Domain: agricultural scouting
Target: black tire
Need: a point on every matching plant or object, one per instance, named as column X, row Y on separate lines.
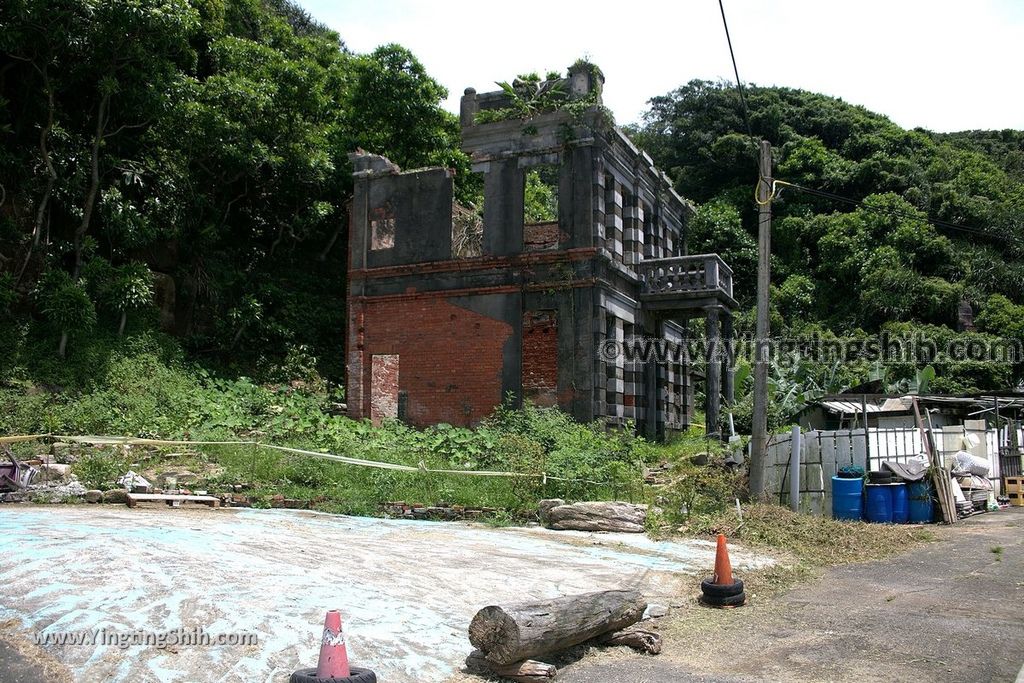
column 355, row 676
column 879, row 476
column 726, row 601
column 716, row 591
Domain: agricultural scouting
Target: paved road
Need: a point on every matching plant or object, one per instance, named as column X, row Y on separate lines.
column 407, row 589
column 948, row 611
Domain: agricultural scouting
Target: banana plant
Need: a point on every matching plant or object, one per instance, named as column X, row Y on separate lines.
column 529, row 96
column 918, row 384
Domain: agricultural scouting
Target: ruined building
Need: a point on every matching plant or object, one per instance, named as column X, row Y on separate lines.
column 445, row 322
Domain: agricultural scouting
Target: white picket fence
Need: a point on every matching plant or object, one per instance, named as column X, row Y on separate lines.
column 822, row 453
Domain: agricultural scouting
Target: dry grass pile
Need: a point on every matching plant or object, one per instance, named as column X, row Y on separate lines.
column 816, row 541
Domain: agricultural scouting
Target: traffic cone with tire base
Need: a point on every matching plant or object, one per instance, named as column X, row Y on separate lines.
column 722, row 590
column 333, row 664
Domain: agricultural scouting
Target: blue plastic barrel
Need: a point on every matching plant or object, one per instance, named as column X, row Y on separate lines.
column 921, row 507
column 878, row 507
column 847, row 501
column 900, row 503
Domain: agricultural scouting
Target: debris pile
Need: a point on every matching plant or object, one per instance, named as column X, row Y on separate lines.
column 15, row 476
column 38, row 481
column 440, row 511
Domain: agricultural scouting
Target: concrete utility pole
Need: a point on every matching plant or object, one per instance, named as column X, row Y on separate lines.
column 759, row 429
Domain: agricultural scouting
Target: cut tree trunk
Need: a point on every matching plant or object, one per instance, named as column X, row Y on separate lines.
column 638, row 639
column 526, row 671
column 517, row 632
column 545, row 506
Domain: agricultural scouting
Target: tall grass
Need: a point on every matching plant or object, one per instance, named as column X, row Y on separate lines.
column 143, row 393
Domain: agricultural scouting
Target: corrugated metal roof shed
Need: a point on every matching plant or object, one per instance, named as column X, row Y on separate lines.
column 848, row 407
column 895, row 405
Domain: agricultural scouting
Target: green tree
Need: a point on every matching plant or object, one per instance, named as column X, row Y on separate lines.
column 846, row 266
column 717, row 228
column 207, row 141
column 540, row 199
column 66, row 306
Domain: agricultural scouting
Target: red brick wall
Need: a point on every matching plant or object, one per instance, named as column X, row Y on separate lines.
column 450, row 358
column 540, row 357
column 541, row 236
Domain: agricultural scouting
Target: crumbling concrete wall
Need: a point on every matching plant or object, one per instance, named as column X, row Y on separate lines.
column 527, row 312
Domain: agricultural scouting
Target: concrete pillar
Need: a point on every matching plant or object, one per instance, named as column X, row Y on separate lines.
column 728, row 359
column 653, row 394
column 713, row 385
column 468, row 108
column 503, row 208
column 600, row 365
column 584, row 78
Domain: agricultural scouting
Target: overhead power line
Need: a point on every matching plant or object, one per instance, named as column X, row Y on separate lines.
column 763, row 161
column 739, row 83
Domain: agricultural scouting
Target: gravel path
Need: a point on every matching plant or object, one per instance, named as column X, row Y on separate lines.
column 947, row 611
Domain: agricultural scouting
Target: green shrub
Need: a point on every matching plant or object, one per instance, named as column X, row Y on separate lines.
column 100, row 469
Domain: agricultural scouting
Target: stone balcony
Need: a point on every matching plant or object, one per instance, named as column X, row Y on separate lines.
column 686, row 282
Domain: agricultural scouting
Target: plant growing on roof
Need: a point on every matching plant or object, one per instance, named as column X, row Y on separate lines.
column 529, row 96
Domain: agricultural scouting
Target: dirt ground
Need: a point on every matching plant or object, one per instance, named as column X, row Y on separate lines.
column 407, row 590
column 952, row 610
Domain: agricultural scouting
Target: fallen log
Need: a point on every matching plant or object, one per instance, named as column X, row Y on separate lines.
column 597, row 516
column 545, row 506
column 517, row 632
column 638, row 639
column 526, row 671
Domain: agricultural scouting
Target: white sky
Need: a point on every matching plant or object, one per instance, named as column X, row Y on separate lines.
column 940, row 64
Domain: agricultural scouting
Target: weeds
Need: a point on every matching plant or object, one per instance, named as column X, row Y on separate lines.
column 142, row 391
column 100, row 469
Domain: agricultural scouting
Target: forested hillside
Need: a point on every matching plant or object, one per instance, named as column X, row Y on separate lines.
column 173, row 181
column 202, row 140
column 922, row 221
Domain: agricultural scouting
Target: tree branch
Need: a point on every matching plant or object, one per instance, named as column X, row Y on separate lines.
column 127, row 127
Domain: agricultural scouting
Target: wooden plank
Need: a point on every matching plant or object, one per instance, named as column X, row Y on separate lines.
column 828, row 470
column 777, row 454
column 815, row 486
column 939, row 474
column 135, row 498
column 860, row 452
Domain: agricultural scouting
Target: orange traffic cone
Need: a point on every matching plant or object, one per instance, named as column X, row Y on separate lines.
column 723, row 568
column 721, row 590
column 333, row 662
